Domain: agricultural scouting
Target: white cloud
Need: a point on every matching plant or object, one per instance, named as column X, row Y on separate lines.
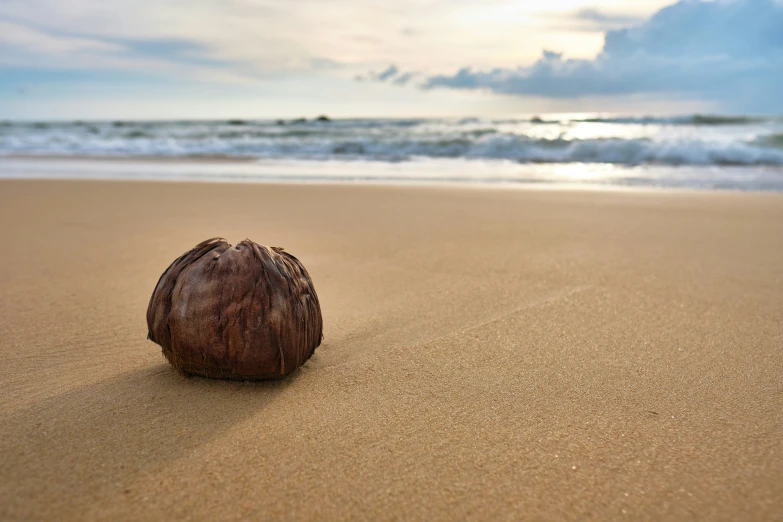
column 593, row 19
column 725, row 50
column 270, row 37
column 31, row 40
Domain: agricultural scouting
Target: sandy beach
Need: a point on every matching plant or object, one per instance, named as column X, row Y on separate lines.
column 488, row 355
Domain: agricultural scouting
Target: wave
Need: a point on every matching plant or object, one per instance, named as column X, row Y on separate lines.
column 628, row 152
column 694, row 119
column 770, row 140
column 613, row 151
column 726, row 140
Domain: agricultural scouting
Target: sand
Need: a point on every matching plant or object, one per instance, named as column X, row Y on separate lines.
column 488, row 354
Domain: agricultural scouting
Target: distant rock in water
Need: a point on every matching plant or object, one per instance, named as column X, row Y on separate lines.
column 536, row 119
column 323, row 117
column 710, row 119
column 137, row 134
column 299, row 120
column 236, row 122
column 279, row 122
column 119, row 123
column 348, row 148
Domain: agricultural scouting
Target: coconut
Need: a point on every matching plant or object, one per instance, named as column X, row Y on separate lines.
column 246, row 312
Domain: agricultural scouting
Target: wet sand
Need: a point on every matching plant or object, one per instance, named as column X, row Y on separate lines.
column 488, row 355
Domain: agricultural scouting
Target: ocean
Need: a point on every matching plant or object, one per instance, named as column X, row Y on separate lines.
column 691, row 151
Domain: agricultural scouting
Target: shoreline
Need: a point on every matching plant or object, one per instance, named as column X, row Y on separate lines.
column 380, row 186
column 220, row 169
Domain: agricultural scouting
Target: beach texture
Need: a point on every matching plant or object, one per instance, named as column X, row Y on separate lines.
column 488, row 355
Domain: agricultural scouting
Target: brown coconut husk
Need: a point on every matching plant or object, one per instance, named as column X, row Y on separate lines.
column 247, row 312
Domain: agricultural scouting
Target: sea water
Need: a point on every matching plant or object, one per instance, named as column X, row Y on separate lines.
column 692, row 151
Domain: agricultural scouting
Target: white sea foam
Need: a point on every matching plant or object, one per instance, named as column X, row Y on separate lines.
column 681, row 141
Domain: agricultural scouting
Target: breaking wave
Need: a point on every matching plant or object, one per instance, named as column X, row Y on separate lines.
column 696, row 140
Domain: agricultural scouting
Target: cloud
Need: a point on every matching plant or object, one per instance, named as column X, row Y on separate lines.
column 169, row 49
column 392, row 74
column 235, row 42
column 591, row 18
column 729, row 51
column 30, row 47
column 273, row 39
column 404, row 78
column 21, row 37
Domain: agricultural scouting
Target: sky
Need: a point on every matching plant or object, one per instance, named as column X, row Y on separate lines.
column 193, row 59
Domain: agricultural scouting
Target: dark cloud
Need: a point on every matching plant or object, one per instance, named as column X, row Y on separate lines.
column 403, row 79
column 729, row 51
column 391, row 74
